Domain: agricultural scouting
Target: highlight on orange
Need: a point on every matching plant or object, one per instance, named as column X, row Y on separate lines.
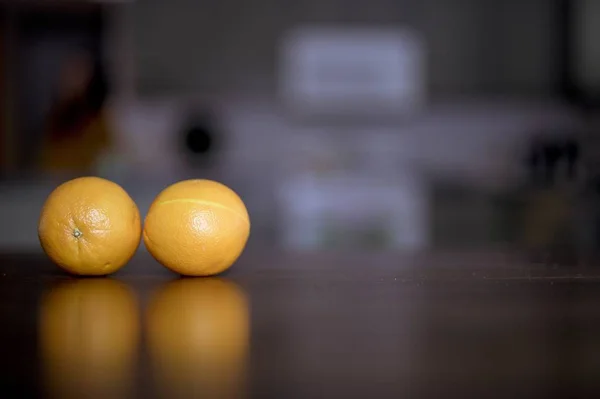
column 89, row 333
column 197, row 227
column 90, row 226
column 198, row 333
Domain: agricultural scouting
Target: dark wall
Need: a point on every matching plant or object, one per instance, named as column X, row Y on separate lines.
column 475, row 46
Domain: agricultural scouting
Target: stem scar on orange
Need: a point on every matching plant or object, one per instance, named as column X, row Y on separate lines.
column 197, row 227
column 90, row 226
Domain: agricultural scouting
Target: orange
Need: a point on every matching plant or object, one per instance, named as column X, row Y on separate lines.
column 89, row 335
column 198, row 333
column 90, row 226
column 197, row 227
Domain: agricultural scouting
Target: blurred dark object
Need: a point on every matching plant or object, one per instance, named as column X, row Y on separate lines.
column 87, row 88
column 200, row 136
column 199, row 139
column 553, row 158
column 60, row 86
column 572, row 157
column 551, row 225
column 76, row 131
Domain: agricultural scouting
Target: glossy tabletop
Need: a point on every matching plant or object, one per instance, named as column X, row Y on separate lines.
column 283, row 325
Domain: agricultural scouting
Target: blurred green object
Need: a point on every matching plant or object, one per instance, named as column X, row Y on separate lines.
column 372, row 235
column 548, row 215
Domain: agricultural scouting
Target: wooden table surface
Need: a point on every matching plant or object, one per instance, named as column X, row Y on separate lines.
column 283, row 325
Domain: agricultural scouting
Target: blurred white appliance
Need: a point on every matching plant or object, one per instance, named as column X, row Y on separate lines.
column 345, row 195
column 352, row 72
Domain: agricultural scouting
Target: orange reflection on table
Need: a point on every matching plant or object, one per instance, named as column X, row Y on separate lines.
column 89, row 336
column 198, row 338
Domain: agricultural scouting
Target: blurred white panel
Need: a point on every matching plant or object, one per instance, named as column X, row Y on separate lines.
column 352, row 71
column 353, row 212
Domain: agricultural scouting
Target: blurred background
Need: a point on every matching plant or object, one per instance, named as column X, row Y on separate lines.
column 365, row 125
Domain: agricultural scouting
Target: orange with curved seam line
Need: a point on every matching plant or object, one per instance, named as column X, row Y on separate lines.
column 197, row 227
